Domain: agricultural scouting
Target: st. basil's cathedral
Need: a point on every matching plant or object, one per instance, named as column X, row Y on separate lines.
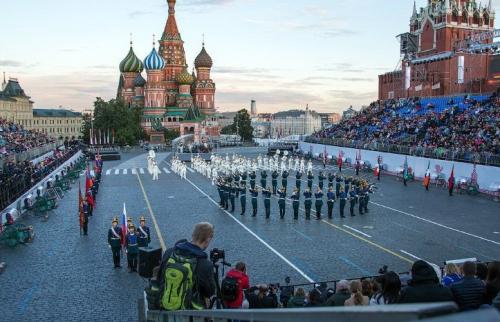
column 170, row 96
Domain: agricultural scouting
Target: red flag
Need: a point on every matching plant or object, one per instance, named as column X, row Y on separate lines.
column 376, row 171
column 88, row 179
column 80, row 205
column 451, row 179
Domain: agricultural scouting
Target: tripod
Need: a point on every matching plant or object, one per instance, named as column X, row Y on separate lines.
column 217, row 299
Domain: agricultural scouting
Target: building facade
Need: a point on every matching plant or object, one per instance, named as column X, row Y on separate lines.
column 438, row 57
column 58, row 123
column 15, row 105
column 295, row 122
column 170, row 96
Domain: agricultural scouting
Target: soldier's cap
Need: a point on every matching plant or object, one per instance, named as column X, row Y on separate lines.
column 115, row 219
column 129, row 219
column 131, row 226
column 142, row 218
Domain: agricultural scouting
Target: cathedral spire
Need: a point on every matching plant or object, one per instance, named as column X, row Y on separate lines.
column 4, row 82
column 171, row 31
column 414, row 8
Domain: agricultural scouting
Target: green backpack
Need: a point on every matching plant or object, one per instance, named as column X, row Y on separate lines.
column 179, row 283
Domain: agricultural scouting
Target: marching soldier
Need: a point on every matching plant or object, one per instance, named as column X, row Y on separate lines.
column 295, row 203
column 236, row 180
column 255, row 195
column 243, row 197
column 352, row 202
column 343, row 199
column 143, row 233
column 244, row 176
column 114, row 241
column 357, row 166
column 274, row 181
column 266, row 193
column 263, row 179
column 319, row 203
column 338, row 180
column 347, row 184
column 298, row 181
column 227, row 190
column 361, row 199
column 252, row 179
column 321, row 178
column 308, row 203
column 310, row 179
column 232, row 194
column 331, row 177
column 330, row 195
column 86, row 212
column 221, row 192
column 284, row 179
column 281, row 202
column 132, row 248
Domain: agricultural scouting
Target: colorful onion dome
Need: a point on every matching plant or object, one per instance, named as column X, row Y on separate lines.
column 131, row 64
column 203, row 59
column 184, row 78
column 154, row 61
column 139, row 81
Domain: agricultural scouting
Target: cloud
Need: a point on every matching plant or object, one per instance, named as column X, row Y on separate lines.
column 339, row 32
column 10, row 63
column 357, row 79
column 239, row 70
column 138, row 13
column 207, row 2
column 317, row 11
column 351, row 95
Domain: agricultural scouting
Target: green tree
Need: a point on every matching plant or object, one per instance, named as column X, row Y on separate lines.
column 228, row 130
column 171, row 134
column 242, row 126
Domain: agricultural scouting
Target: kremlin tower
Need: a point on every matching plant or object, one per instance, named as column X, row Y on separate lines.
column 170, row 96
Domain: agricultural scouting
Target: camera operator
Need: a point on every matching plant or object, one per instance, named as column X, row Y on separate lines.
column 233, row 285
column 192, row 253
column 266, row 297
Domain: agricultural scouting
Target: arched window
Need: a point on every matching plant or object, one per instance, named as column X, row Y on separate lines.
column 486, row 19
column 454, row 15
column 465, row 17
column 475, row 19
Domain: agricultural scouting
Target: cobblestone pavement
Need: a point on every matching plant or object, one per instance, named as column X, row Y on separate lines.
column 65, row 275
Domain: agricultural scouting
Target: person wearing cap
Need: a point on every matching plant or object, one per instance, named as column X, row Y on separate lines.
column 85, row 223
column 114, row 241
column 295, row 203
column 129, row 221
column 132, row 246
column 282, row 201
column 144, row 236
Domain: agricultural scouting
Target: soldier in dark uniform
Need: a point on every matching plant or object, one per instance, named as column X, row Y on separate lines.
column 338, row 181
column 284, row 179
column 114, row 241
column 282, row 201
column 244, row 176
column 232, row 195
column 347, row 184
column 367, row 189
column 255, row 195
column 318, row 203
column 129, row 221
column 227, row 191
column 266, row 193
column 86, row 213
column 330, row 195
column 221, row 192
column 144, row 236
column 352, row 201
column 308, row 203
column 331, row 177
column 310, row 179
column 343, row 199
column 361, row 200
column 243, row 197
column 274, row 181
column 295, row 203
column 253, row 176
column 236, row 180
column 131, row 243
column 321, row 178
column 298, row 181
column 263, row 179
column 357, row 166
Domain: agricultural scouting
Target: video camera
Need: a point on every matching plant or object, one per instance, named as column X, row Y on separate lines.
column 217, row 254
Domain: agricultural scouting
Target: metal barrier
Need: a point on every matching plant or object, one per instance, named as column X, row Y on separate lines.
column 385, row 313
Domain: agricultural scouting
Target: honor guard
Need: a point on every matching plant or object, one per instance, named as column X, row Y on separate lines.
column 114, row 241
column 274, row 181
column 295, row 203
column 347, row 184
column 330, row 195
column 243, row 197
column 310, row 179
column 232, row 195
column 343, row 200
column 338, row 181
column 263, row 179
column 361, row 199
column 253, row 176
column 143, row 233
column 266, row 193
column 321, row 179
column 255, row 195
column 352, row 202
column 318, row 203
column 284, row 179
column 244, row 176
column 86, row 213
column 331, row 177
column 129, row 221
column 236, row 181
column 227, row 190
column 131, row 243
column 221, row 192
column 308, row 203
column 298, row 180
column 282, row 201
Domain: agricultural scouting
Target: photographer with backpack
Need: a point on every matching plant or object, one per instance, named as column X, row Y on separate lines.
column 186, row 275
column 233, row 285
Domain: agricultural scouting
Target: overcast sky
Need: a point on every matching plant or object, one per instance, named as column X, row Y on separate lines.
column 283, row 53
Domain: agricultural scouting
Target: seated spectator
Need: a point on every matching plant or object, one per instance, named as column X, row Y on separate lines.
column 468, row 292
column 239, row 275
column 451, row 274
column 286, row 292
column 482, row 272
column 367, row 288
column 492, row 282
column 298, row 299
column 341, row 294
column 265, row 298
column 357, row 298
column 391, row 287
column 424, row 286
column 314, row 298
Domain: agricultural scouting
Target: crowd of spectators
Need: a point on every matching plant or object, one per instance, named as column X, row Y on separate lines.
column 465, row 127
column 15, row 139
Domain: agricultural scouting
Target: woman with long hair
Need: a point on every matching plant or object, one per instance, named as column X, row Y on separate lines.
column 391, row 286
column 451, row 274
column 357, row 298
column 492, row 282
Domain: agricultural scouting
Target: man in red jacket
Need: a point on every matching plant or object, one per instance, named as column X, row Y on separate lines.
column 239, row 274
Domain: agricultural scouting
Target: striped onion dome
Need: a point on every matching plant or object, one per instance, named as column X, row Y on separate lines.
column 203, row 59
column 131, row 64
column 184, row 78
column 154, row 61
column 139, row 81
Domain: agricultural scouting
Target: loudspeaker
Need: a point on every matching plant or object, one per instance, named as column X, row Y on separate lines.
column 149, row 258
